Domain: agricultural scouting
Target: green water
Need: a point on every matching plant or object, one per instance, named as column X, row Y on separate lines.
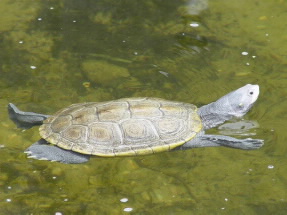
column 55, row 53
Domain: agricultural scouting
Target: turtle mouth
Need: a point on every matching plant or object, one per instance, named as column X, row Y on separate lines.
column 247, row 109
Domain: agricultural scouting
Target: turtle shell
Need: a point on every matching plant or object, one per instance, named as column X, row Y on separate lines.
column 124, row 127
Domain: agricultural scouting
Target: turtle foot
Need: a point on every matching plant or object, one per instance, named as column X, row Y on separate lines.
column 41, row 150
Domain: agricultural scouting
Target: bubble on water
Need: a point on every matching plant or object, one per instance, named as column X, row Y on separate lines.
column 128, row 209
column 194, row 24
column 124, row 200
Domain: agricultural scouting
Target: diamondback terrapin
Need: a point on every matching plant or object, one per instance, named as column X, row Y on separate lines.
column 134, row 126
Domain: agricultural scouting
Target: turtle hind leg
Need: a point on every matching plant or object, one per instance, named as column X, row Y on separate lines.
column 41, row 150
column 25, row 119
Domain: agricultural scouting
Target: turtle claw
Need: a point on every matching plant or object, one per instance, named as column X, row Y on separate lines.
column 246, row 144
column 34, row 156
column 250, row 144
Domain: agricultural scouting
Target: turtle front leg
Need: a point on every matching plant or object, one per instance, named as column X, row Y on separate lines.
column 42, row 150
column 25, row 119
column 220, row 140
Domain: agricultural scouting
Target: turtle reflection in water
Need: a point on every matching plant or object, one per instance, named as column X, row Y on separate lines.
column 134, row 126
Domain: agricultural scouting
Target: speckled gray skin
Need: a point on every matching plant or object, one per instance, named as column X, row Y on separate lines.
column 134, row 126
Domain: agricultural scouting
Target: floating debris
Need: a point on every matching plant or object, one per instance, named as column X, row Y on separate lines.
column 163, row 73
column 87, row 84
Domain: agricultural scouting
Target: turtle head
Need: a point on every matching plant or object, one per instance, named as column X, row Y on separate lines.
column 239, row 102
column 235, row 104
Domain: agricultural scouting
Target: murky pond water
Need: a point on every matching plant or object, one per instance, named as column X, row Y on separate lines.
column 55, row 53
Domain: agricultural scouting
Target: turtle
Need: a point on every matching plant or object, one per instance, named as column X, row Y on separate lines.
column 134, row 126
